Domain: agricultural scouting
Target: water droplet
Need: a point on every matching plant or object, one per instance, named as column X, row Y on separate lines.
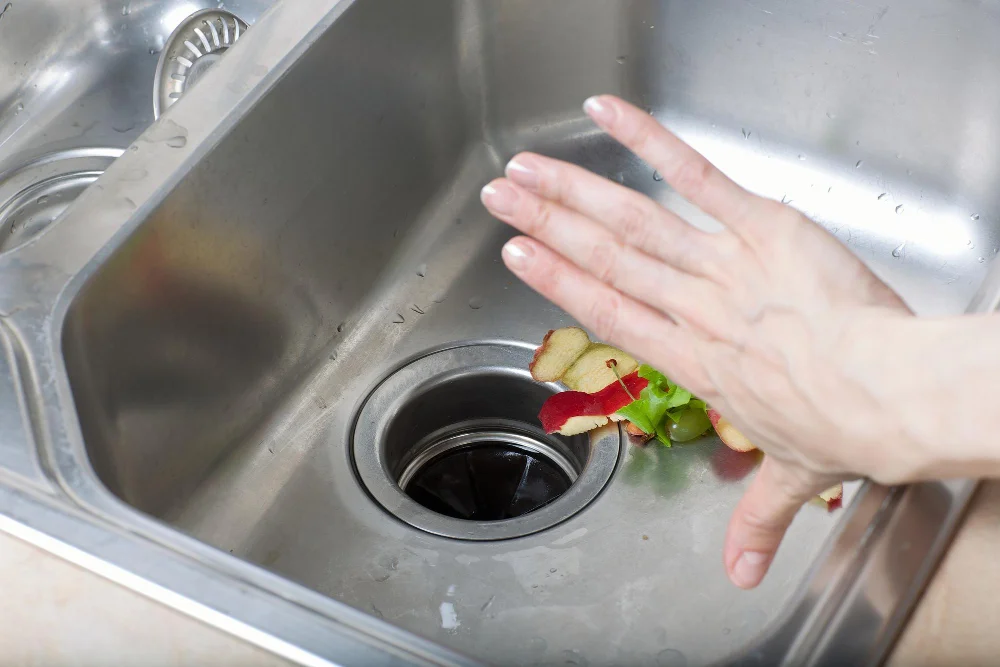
column 571, row 657
column 476, row 302
column 657, row 176
column 802, row 157
column 340, row 327
column 552, row 570
column 974, row 216
column 42, row 199
column 620, row 177
column 439, row 297
column 726, row 631
column 982, row 259
column 422, row 270
column 177, row 142
column 898, row 252
column 909, row 172
column 152, row 51
column 883, row 196
column 970, row 243
column 126, row 9
column 134, row 148
column 123, row 126
column 831, row 115
column 746, row 133
column 899, row 209
column 536, row 128
column 621, row 60
column 18, row 108
column 858, row 164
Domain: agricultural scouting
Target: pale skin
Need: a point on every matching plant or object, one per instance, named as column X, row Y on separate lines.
column 771, row 321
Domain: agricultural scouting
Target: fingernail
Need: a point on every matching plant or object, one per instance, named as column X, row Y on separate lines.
column 750, row 568
column 522, row 172
column 518, row 255
column 602, row 112
column 499, row 197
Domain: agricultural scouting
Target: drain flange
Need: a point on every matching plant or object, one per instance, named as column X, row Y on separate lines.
column 33, row 195
column 450, row 444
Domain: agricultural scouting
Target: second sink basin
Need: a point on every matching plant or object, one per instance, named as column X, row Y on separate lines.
column 331, row 241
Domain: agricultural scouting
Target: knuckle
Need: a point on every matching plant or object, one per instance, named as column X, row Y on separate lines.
column 634, row 225
column 692, row 177
column 603, row 262
column 763, row 523
column 604, row 316
column 541, row 217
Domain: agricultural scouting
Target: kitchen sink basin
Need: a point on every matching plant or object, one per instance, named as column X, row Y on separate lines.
column 77, row 85
column 270, row 368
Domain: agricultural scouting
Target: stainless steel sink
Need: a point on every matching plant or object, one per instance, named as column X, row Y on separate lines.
column 226, row 357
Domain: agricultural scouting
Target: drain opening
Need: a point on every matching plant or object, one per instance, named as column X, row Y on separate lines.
column 487, row 475
column 450, row 444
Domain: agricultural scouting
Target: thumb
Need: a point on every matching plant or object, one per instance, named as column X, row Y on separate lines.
column 762, row 517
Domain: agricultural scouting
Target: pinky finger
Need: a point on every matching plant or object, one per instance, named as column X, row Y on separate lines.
column 612, row 316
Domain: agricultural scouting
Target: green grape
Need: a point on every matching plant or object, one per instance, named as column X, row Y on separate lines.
column 691, row 423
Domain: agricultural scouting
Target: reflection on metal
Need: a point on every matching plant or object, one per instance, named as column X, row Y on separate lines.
column 195, row 336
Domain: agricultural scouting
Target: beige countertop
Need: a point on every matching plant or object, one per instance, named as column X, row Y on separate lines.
column 101, row 623
column 55, row 613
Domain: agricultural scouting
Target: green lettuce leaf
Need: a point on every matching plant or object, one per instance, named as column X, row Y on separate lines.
column 659, row 401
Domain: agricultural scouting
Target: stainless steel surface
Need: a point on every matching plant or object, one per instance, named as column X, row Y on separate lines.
column 75, row 82
column 486, row 385
column 192, row 48
column 35, row 194
column 197, row 336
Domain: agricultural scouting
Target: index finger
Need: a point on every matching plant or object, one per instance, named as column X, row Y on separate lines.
column 685, row 169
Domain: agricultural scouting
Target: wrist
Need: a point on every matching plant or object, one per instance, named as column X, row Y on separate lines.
column 936, row 388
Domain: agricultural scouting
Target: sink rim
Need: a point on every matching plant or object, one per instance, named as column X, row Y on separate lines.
column 132, row 537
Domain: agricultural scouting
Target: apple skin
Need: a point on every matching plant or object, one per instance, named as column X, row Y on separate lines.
column 558, row 352
column 833, row 497
column 590, row 373
column 729, row 434
column 575, row 412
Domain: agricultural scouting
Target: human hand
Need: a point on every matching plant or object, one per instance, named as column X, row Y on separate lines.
column 770, row 320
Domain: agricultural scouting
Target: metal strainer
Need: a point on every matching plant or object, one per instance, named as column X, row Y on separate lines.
column 193, row 47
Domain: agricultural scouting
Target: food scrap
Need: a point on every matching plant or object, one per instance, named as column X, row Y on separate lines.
column 607, row 384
